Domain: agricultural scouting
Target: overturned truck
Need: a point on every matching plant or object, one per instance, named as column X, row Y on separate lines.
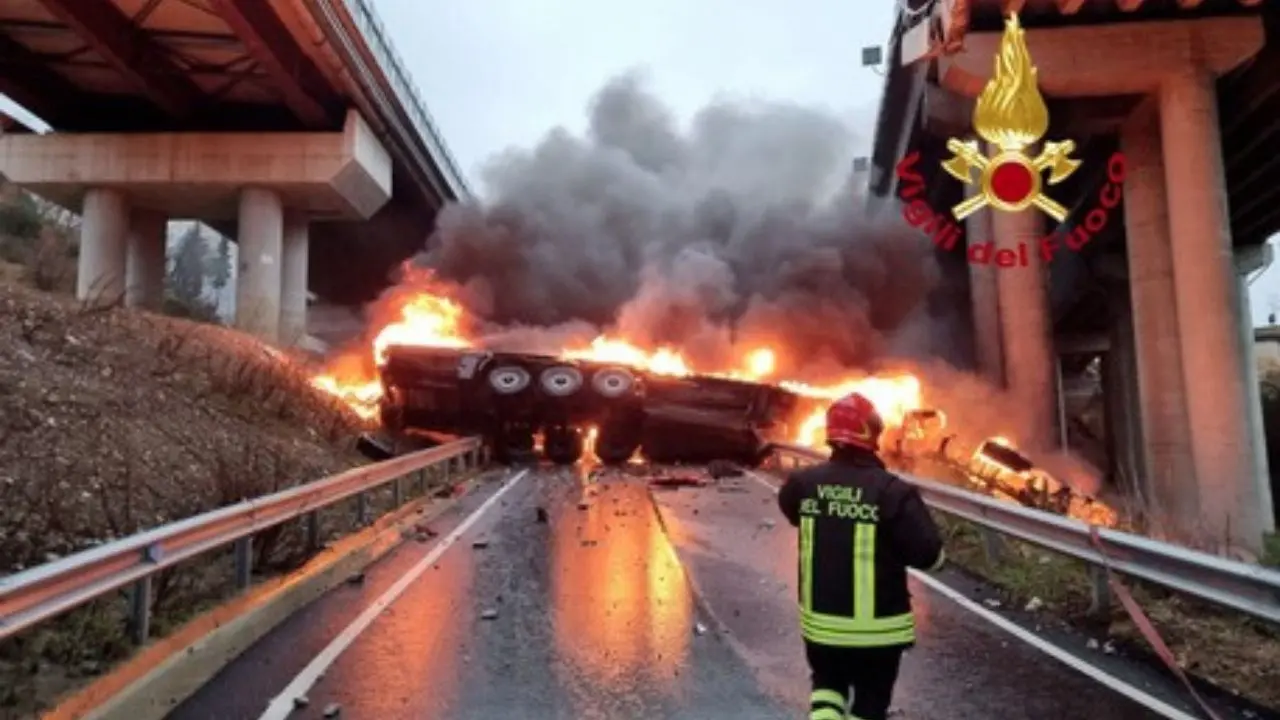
column 512, row 399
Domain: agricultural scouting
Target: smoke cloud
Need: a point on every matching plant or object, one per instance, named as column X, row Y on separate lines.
column 746, row 228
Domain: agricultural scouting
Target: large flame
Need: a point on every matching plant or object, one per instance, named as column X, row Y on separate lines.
column 1010, row 113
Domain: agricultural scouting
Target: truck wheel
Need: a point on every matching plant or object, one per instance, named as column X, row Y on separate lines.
column 563, row 446
column 615, row 446
column 514, row 445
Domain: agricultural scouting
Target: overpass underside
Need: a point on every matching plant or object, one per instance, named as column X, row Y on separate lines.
column 1144, row 296
column 274, row 121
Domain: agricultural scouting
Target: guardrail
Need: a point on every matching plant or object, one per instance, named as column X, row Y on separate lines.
column 1250, row 589
column 42, row 592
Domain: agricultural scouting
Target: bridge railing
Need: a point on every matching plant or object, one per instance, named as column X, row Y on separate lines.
column 336, row 17
column 43, row 592
column 1251, row 589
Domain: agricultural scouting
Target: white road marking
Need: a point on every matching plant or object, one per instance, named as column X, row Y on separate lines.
column 281, row 705
column 1069, row 659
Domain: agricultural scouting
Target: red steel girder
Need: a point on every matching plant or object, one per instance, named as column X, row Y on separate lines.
column 305, row 90
column 27, row 78
column 130, row 51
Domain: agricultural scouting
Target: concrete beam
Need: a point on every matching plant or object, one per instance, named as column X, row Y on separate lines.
column 948, row 113
column 1123, row 59
column 41, row 90
column 130, row 52
column 331, row 175
column 304, row 87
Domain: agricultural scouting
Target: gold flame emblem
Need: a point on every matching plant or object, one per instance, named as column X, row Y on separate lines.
column 1011, row 115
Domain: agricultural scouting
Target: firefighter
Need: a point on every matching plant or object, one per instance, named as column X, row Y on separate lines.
column 861, row 527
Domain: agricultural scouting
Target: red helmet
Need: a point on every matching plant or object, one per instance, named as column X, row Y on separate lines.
column 853, row 420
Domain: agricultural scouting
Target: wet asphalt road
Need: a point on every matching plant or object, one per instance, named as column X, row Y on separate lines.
column 595, row 618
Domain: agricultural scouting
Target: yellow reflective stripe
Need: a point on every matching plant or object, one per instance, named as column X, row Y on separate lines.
column 806, row 563
column 826, row 713
column 826, row 696
column 855, row 625
column 864, row 571
column 905, row 636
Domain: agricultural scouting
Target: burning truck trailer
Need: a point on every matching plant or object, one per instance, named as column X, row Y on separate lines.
column 511, row 398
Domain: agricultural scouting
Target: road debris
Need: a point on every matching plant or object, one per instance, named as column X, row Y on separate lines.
column 480, row 544
column 723, row 469
column 489, row 614
column 542, row 515
column 301, row 701
column 332, row 710
column 677, row 480
column 357, row 579
column 1034, row 604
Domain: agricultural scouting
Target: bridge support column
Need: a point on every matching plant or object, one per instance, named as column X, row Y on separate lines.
column 293, row 287
column 1169, row 487
column 1120, row 391
column 145, row 268
column 1026, row 328
column 984, row 295
column 104, row 227
column 1225, row 461
column 261, row 229
column 1255, row 258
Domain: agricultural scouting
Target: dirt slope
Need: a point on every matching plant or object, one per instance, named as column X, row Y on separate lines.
column 115, row 421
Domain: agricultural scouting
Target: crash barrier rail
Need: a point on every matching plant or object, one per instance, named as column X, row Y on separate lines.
column 1250, row 589
column 43, row 592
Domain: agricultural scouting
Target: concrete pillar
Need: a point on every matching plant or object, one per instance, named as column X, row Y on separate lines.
column 261, row 230
column 1251, row 260
column 1169, row 486
column 1123, row 418
column 293, row 288
column 1026, row 327
column 1204, row 273
column 104, row 226
column 985, row 300
column 145, row 267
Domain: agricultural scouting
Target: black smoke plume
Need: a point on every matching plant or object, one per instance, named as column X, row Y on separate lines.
column 748, row 228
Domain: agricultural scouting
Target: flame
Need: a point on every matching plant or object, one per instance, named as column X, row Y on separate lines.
column 663, row 361
column 1010, row 113
column 893, row 395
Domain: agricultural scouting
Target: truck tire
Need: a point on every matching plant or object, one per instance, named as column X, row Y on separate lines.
column 616, row 445
column 514, row 445
column 563, row 446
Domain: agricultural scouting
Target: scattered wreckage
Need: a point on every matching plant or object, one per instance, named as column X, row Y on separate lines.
column 515, row 399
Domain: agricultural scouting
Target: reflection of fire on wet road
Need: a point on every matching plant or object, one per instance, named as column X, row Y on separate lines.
column 621, row 612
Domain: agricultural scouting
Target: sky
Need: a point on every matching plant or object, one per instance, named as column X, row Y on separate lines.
column 502, row 73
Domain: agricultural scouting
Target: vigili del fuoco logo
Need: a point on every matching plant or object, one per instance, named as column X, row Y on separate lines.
column 1010, row 115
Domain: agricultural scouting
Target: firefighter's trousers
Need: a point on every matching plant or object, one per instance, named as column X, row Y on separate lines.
column 868, row 674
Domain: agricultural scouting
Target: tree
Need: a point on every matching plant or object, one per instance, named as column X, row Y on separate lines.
column 187, row 276
column 219, row 269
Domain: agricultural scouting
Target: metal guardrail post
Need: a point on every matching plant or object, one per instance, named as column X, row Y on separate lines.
column 444, row 467
column 244, row 562
column 993, row 546
column 313, row 530
column 397, row 491
column 140, row 611
column 362, row 508
column 1099, row 591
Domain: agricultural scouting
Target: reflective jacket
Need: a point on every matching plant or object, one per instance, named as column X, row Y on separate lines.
column 861, row 527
